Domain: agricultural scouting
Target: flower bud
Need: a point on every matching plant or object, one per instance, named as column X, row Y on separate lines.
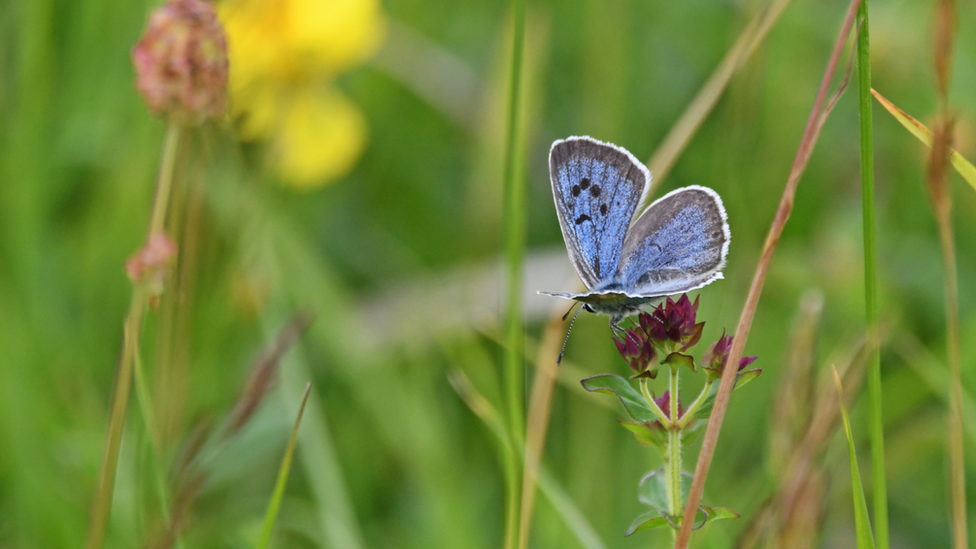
column 148, row 265
column 181, row 62
column 639, row 353
column 718, row 353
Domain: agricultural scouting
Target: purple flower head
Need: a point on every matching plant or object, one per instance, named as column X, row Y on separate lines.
column 718, row 353
column 673, row 321
column 639, row 353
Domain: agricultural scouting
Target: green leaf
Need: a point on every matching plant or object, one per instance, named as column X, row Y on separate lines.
column 707, row 514
column 676, row 360
column 653, row 490
column 865, row 539
column 647, row 434
column 647, row 521
column 747, row 376
column 718, row 513
column 633, row 402
column 721, row 513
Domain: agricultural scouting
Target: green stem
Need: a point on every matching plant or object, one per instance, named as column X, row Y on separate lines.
column 102, row 504
column 690, row 412
column 132, row 331
column 664, row 416
column 165, row 182
column 674, row 451
column 870, row 277
column 514, row 214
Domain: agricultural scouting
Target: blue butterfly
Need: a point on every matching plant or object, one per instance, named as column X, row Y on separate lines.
column 678, row 244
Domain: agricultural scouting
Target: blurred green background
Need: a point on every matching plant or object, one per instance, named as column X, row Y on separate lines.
column 399, row 255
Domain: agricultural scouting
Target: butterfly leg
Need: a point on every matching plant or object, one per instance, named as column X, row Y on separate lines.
column 616, row 328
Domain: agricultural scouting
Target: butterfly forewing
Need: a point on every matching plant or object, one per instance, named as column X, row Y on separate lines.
column 677, row 245
column 597, row 187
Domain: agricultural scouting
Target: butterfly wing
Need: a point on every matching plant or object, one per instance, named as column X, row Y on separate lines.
column 677, row 245
column 597, row 187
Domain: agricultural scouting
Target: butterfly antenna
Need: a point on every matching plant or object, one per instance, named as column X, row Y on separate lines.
column 563, row 350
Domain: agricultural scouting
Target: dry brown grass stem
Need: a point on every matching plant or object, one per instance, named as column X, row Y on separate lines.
column 685, row 128
column 540, row 407
column 264, row 373
column 940, row 193
column 660, row 164
column 810, row 134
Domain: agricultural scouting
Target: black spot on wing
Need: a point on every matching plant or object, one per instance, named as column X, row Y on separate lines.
column 585, row 183
column 603, row 209
column 582, row 218
column 576, row 190
column 595, row 191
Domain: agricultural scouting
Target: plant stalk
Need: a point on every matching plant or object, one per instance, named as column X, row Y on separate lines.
column 814, row 123
column 132, row 331
column 956, row 447
column 870, row 277
column 514, row 218
column 674, row 450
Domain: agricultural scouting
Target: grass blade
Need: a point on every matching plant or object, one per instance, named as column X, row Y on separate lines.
column 870, row 275
column 964, row 167
column 810, row 134
column 861, row 520
column 279, row 491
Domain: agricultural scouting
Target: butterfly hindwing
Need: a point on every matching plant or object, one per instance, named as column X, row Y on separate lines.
column 597, row 187
column 677, row 245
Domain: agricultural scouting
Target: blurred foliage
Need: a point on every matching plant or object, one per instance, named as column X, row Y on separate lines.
column 399, row 260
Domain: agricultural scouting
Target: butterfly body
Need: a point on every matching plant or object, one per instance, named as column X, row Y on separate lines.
column 678, row 244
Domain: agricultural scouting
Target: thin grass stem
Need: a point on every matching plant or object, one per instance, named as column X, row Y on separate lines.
column 939, row 190
column 514, row 214
column 815, row 122
column 132, row 331
column 707, row 97
column 871, row 277
column 540, row 407
column 956, row 436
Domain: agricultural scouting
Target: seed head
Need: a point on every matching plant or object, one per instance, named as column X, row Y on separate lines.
column 181, row 62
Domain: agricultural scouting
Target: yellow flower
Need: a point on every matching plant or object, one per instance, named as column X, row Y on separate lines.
column 284, row 58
